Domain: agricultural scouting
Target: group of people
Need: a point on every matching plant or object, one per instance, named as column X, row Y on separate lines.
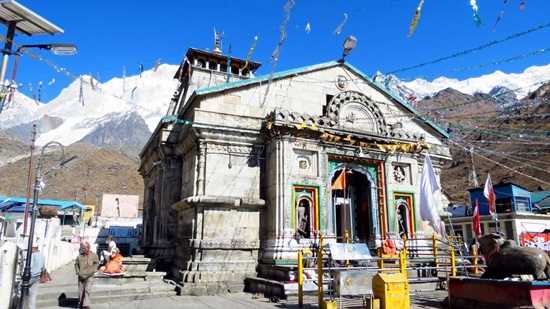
column 87, row 263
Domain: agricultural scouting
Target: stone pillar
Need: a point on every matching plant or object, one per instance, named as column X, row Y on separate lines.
column 7, row 280
column 218, row 243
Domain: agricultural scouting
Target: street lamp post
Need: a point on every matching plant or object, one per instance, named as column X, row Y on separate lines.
column 57, row 49
column 25, row 284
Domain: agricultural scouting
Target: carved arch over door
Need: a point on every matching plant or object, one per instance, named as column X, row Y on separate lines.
column 356, row 111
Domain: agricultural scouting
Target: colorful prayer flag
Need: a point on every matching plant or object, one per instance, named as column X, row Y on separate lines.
column 416, row 17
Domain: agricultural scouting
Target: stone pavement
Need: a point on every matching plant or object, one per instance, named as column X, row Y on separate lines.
column 65, row 277
column 422, row 300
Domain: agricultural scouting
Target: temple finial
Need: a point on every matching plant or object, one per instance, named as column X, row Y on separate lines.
column 216, row 42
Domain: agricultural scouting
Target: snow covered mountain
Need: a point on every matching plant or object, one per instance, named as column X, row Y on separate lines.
column 76, row 113
column 123, row 112
column 515, row 86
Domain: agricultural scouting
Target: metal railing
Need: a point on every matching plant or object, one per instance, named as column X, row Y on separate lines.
column 434, row 261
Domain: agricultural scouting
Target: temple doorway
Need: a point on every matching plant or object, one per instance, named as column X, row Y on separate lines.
column 352, row 206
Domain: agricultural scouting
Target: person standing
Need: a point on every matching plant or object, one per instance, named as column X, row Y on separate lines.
column 38, row 264
column 85, row 266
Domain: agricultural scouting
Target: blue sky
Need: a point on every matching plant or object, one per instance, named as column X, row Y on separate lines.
column 111, row 35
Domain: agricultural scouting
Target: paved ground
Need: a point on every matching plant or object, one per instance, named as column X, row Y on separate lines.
column 245, row 300
column 62, row 277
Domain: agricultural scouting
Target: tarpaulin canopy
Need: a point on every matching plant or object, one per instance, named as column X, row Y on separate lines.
column 20, row 202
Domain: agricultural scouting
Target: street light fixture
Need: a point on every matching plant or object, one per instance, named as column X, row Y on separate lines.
column 349, row 45
column 62, row 49
column 56, row 48
column 25, row 284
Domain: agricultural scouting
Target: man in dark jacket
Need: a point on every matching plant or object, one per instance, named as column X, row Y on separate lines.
column 85, row 266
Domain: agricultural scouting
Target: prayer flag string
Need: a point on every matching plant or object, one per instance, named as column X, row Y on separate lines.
column 275, row 55
column 250, row 52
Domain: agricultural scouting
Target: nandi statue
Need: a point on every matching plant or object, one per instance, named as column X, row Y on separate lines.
column 505, row 258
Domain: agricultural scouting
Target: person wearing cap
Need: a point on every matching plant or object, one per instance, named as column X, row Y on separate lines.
column 38, row 263
column 85, row 266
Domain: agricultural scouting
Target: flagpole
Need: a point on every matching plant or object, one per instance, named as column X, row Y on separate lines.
column 345, row 206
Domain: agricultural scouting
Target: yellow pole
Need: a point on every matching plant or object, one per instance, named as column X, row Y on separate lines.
column 346, row 236
column 453, row 262
column 434, row 244
column 300, row 279
column 403, row 263
column 380, row 261
column 474, row 253
column 320, row 271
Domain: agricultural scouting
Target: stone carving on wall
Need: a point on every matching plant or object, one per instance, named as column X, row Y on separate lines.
column 399, row 174
column 341, row 82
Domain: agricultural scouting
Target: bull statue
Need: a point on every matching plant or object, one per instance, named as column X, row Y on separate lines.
column 505, row 258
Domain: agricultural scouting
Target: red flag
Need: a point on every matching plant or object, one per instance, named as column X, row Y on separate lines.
column 477, row 222
column 340, row 182
column 489, row 193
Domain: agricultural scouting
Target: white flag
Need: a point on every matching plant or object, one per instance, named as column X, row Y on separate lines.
column 428, row 189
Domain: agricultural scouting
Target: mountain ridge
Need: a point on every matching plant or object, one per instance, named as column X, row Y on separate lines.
column 115, row 119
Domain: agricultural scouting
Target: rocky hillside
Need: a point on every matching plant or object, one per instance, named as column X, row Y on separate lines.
column 94, row 172
column 511, row 143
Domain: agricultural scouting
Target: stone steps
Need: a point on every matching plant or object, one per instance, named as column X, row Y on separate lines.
column 136, row 284
column 67, row 295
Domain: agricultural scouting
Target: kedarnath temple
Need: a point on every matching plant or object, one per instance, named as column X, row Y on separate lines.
column 246, row 170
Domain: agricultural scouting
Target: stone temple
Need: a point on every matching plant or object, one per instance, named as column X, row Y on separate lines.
column 238, row 174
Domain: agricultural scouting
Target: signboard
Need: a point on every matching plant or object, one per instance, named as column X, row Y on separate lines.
column 121, row 231
column 536, row 240
column 349, row 251
column 119, row 206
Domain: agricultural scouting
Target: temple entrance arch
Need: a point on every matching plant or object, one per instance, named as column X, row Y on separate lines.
column 354, row 208
column 303, row 217
column 404, row 224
